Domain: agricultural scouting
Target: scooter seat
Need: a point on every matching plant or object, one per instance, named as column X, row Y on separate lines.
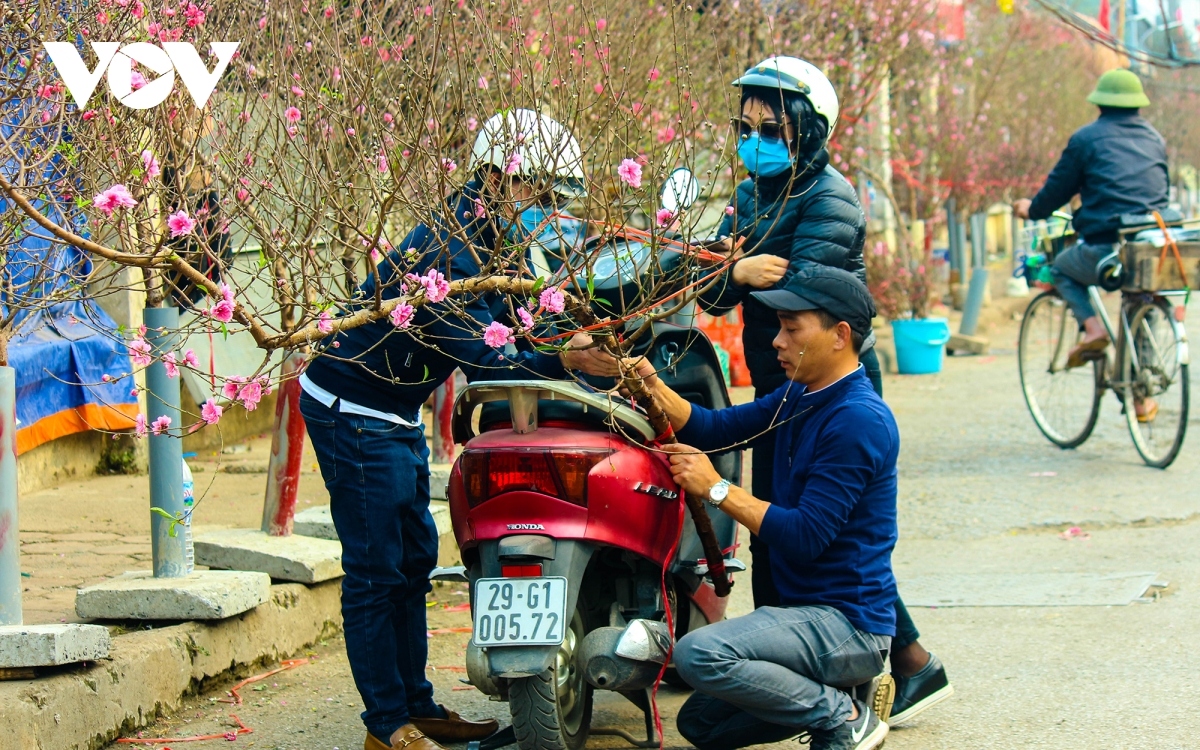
column 495, row 415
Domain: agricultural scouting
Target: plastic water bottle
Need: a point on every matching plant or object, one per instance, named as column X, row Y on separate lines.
column 189, row 501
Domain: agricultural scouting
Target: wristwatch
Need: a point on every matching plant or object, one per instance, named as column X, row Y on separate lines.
column 718, row 492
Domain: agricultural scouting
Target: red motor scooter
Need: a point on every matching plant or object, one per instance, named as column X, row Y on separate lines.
column 584, row 564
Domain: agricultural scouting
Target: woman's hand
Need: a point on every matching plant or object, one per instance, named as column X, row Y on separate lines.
column 583, row 354
column 759, row 271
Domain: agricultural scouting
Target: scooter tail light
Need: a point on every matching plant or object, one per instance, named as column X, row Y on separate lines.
column 521, row 571
column 475, row 477
column 487, row 474
column 573, row 469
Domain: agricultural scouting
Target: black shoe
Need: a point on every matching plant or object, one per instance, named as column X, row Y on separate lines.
column 923, row 690
column 864, row 733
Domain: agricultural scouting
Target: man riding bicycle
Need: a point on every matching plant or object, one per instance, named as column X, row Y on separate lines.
column 1117, row 165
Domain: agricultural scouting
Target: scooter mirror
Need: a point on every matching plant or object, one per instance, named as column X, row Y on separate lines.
column 680, row 190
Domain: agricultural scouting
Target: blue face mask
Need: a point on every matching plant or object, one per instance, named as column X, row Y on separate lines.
column 528, row 223
column 764, row 157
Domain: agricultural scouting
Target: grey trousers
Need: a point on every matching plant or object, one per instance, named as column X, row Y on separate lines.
column 775, row 669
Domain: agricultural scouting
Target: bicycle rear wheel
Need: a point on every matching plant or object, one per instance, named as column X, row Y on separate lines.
column 1153, row 368
column 1064, row 403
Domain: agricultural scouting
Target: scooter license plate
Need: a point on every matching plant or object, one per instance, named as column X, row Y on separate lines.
column 520, row 611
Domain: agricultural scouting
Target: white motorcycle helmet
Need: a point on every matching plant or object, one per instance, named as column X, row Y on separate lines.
column 800, row 76
column 543, row 147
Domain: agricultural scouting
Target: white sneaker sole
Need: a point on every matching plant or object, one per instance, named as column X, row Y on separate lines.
column 920, row 708
column 874, row 739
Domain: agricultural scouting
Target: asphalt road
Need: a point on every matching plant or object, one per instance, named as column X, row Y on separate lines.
column 981, row 492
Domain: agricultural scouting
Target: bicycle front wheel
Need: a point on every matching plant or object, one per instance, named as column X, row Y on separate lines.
column 1154, row 373
column 1064, row 403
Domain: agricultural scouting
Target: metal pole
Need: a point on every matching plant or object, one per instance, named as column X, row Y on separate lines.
column 979, row 276
column 287, row 447
column 952, row 238
column 10, row 551
column 166, row 452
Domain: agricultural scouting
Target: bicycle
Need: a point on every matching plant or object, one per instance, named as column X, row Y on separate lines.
column 1149, row 359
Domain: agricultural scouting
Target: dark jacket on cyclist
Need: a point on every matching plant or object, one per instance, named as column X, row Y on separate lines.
column 1117, row 165
column 812, row 218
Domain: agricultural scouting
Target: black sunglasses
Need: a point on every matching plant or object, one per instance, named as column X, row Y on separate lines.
column 771, row 131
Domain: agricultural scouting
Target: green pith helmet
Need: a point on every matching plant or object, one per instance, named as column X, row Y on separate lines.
column 1119, row 88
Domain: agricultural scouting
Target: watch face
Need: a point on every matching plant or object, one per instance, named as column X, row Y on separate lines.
column 719, row 491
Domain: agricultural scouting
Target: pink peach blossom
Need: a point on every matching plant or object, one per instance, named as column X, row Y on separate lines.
column 139, row 352
column 497, row 335
column 180, row 223
column 630, row 173
column 552, row 299
column 139, row 424
column 211, row 411
column 250, row 394
column 169, row 362
column 160, row 425
column 401, row 315
column 113, row 198
column 292, row 114
column 325, row 322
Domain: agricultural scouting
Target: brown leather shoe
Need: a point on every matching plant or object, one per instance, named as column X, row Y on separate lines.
column 411, row 738
column 455, row 728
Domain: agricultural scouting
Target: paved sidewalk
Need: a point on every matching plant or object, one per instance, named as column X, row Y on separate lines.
column 975, row 498
column 83, row 531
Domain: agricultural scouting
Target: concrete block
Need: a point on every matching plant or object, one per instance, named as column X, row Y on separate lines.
column 148, row 672
column 51, row 645
column 439, row 477
column 301, row 559
column 973, row 344
column 315, row 522
column 318, row 522
column 203, row 595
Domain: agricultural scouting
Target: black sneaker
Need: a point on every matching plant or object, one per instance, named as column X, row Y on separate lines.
column 864, row 733
column 923, row 690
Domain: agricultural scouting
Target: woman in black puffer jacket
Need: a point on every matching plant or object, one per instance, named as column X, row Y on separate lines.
column 794, row 211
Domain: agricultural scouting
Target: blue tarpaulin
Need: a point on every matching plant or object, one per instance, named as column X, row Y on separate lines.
column 63, row 344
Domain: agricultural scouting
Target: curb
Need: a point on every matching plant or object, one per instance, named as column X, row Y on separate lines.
column 149, row 672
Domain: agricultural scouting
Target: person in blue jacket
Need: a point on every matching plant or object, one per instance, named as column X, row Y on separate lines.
column 830, row 527
column 362, row 401
column 795, row 212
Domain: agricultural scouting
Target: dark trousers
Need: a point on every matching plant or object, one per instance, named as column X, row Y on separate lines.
column 1074, row 270
column 377, row 474
column 763, row 465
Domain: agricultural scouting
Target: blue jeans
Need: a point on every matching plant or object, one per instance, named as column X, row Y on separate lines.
column 1074, row 270
column 377, row 474
column 773, row 673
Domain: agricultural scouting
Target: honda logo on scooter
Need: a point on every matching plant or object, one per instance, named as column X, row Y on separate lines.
column 117, row 61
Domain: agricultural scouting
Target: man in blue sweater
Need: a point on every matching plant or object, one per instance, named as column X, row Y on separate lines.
column 830, row 526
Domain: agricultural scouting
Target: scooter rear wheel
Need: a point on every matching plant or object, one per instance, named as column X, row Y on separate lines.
column 553, row 711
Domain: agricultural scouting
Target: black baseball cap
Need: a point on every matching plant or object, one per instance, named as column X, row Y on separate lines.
column 837, row 292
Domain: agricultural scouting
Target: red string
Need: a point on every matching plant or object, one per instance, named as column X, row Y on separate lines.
column 242, row 729
column 286, row 664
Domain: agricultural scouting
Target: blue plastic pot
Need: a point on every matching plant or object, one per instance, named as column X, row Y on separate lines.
column 920, row 345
